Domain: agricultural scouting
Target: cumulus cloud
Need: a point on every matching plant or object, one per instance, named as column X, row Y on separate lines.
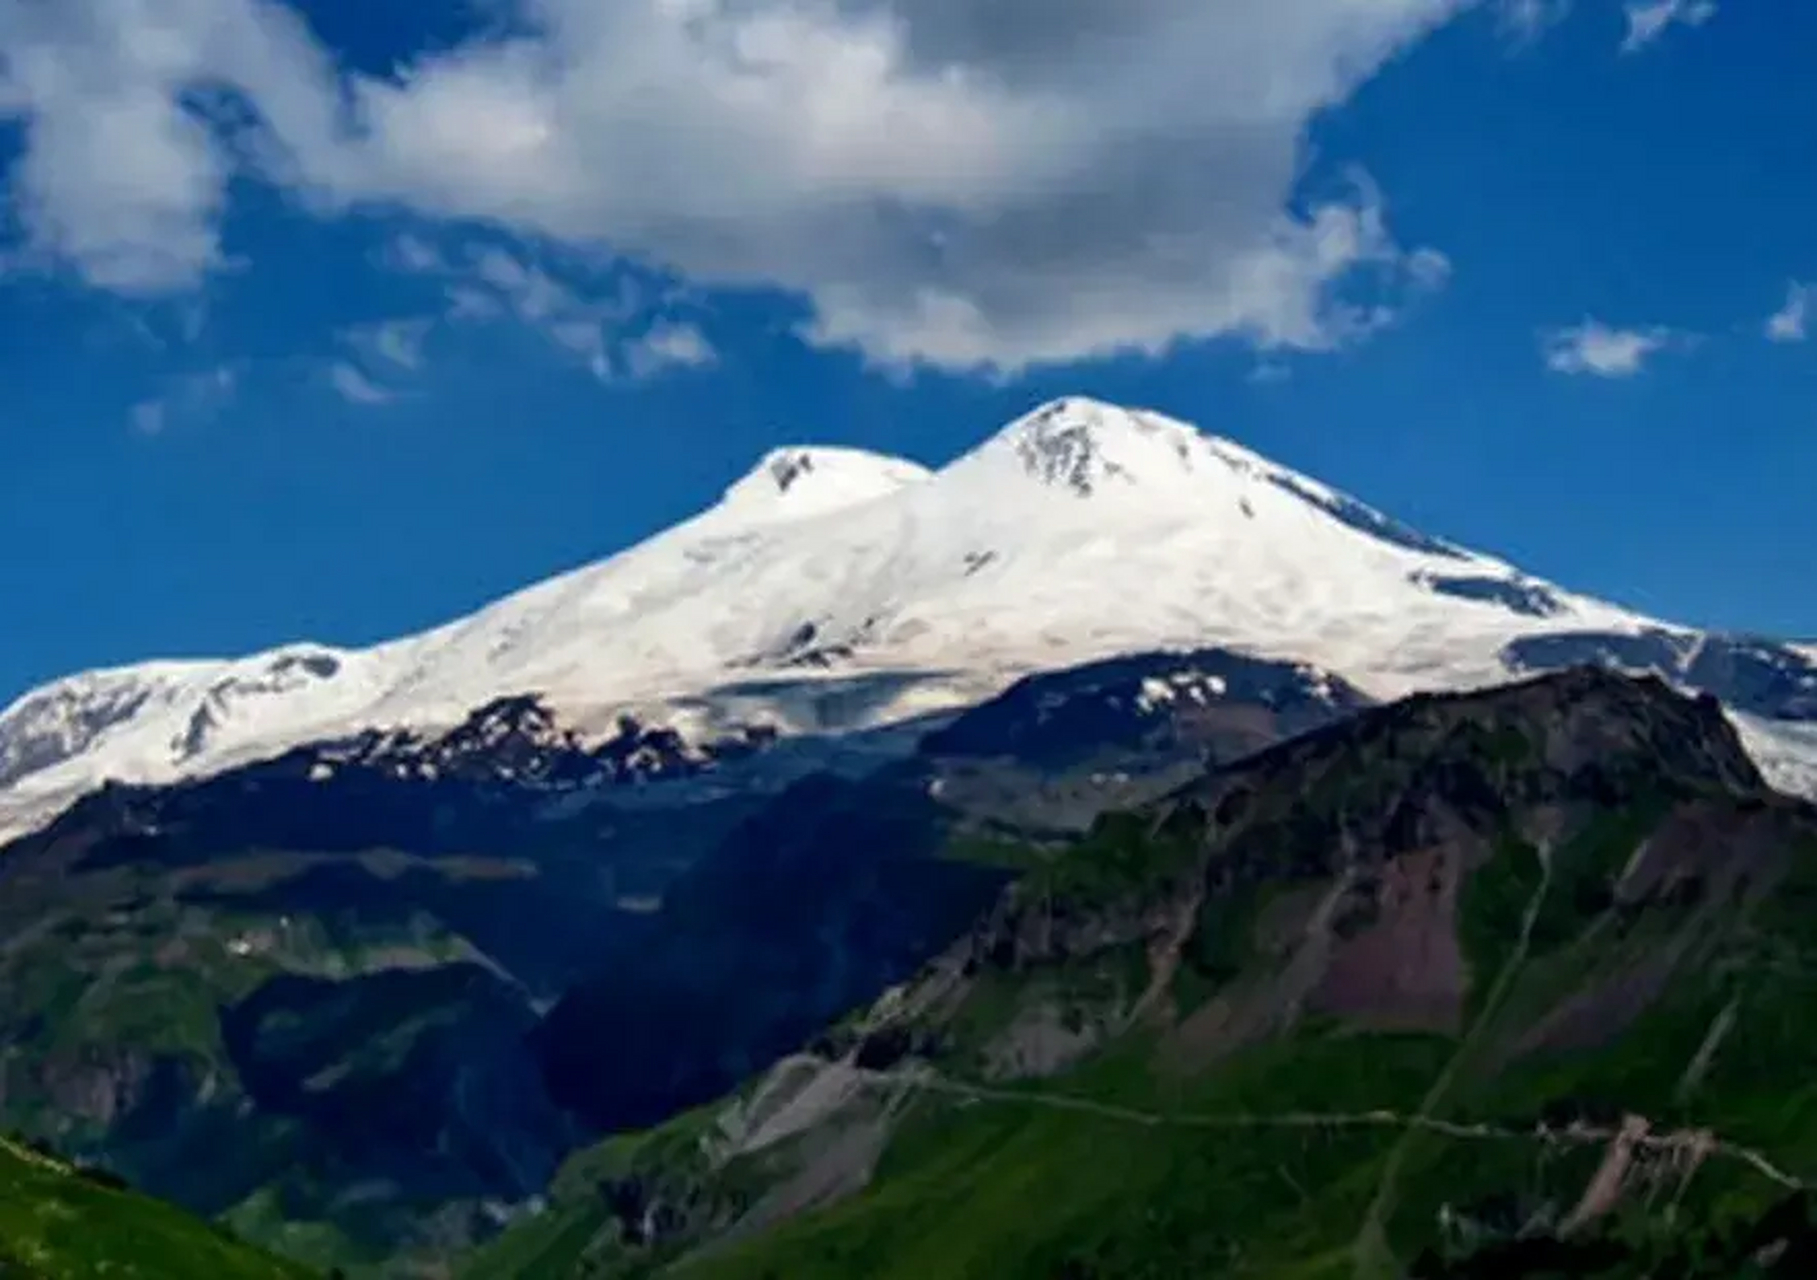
column 1599, row 350
column 1649, row 19
column 964, row 182
column 1789, row 323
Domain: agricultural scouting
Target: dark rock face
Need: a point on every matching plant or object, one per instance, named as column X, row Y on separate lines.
column 1648, row 651
column 1367, row 520
column 47, row 729
column 1527, row 598
column 520, row 740
column 1756, row 676
column 1209, row 702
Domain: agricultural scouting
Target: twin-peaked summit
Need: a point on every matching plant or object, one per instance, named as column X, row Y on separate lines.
column 1074, row 445
column 831, row 588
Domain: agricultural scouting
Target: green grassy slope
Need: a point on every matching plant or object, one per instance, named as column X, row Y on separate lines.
column 56, row 1224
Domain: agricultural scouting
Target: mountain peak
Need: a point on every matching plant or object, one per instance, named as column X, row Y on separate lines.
column 1090, row 447
column 1087, row 445
column 810, row 479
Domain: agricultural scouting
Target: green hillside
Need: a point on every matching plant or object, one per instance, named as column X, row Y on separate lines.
column 57, row 1223
column 1517, row 984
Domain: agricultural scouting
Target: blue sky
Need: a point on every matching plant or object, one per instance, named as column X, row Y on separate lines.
column 320, row 322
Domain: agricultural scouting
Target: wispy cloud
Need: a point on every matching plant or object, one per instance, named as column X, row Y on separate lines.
column 488, row 282
column 1649, row 19
column 409, row 252
column 1523, row 22
column 391, row 347
column 396, row 342
column 167, row 324
column 1790, row 323
column 587, row 313
column 149, row 417
column 668, row 345
column 355, row 387
column 190, row 397
column 1602, row 351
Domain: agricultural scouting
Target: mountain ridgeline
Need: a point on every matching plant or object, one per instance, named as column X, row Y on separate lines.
column 60, row 1221
column 830, row 591
column 1512, row 983
column 1030, row 866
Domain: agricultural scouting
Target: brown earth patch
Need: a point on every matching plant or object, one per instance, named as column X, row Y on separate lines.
column 1402, row 969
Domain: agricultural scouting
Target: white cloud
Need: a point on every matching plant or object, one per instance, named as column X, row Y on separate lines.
column 1601, row 351
column 1525, row 21
column 1648, row 19
column 355, row 387
column 414, row 254
column 190, row 397
column 1790, row 322
column 384, row 347
column 966, row 182
column 1428, row 269
column 396, row 342
column 668, row 345
column 588, row 314
column 486, row 282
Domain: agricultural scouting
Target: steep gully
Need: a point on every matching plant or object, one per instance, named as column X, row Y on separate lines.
column 1370, row 1249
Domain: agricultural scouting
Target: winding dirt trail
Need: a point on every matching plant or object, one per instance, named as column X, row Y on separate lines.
column 1571, row 1135
column 1370, row 1251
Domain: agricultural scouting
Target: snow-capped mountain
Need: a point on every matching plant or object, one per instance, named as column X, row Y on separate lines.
column 831, row 589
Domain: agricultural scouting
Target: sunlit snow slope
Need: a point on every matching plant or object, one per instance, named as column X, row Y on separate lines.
column 1078, row 531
